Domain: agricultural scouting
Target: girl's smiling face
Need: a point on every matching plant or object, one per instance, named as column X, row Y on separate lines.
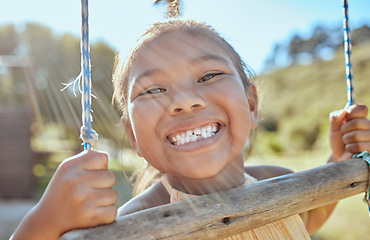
column 189, row 112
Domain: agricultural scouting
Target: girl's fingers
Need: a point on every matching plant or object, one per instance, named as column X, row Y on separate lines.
column 356, row 124
column 356, row 136
column 357, row 111
column 358, row 147
column 336, row 120
column 105, row 215
column 105, row 197
column 99, row 207
column 356, row 129
column 100, row 178
column 98, row 216
column 94, row 160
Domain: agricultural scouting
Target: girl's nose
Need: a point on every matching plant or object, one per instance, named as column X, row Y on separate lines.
column 186, row 102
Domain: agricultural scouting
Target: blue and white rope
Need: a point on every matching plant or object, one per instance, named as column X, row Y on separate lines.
column 347, row 55
column 366, row 157
column 88, row 135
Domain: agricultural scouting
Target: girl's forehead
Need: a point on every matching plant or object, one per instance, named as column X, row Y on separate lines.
column 176, row 48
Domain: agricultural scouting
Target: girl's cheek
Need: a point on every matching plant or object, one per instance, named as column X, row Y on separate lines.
column 141, row 112
column 230, row 91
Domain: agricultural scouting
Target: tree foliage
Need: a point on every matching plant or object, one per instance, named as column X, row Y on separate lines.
column 321, row 44
column 53, row 60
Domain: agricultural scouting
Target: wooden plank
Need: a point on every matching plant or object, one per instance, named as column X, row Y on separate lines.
column 223, row 214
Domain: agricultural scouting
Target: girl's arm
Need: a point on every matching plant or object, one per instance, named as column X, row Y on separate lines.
column 79, row 195
column 349, row 134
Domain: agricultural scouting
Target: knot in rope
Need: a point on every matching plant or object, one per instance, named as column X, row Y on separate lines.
column 365, row 155
column 88, row 135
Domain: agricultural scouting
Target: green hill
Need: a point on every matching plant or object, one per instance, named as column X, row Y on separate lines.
column 296, row 101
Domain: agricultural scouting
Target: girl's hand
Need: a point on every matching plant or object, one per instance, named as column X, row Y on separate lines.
column 349, row 132
column 79, row 195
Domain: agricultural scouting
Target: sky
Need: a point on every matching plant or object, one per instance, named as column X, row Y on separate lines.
column 252, row 27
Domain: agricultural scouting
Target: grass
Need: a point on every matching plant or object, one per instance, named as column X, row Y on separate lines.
column 350, row 221
column 297, row 100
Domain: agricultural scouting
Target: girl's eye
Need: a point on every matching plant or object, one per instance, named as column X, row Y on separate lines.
column 208, row 77
column 153, row 91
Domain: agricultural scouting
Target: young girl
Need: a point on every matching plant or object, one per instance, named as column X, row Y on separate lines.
column 189, row 106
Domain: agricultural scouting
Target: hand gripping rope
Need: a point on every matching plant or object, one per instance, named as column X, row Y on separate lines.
column 350, row 91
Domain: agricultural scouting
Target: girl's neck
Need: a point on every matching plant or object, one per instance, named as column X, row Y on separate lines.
column 231, row 176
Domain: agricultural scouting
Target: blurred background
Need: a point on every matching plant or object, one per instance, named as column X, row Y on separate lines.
column 295, row 48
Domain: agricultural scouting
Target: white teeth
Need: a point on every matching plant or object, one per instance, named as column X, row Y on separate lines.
column 194, row 135
column 204, row 129
column 214, row 129
column 189, row 133
column 204, row 132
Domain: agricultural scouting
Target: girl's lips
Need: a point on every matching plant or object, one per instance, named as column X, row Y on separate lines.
column 194, row 134
column 199, row 143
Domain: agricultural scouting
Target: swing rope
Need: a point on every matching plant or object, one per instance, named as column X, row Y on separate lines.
column 350, row 91
column 347, row 55
column 88, row 135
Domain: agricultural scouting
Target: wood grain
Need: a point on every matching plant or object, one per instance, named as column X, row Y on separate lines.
column 223, row 214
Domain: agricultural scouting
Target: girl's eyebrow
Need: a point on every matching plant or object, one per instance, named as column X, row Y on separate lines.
column 146, row 73
column 208, row 57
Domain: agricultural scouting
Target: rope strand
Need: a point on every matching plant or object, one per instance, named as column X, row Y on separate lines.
column 347, row 55
column 88, row 135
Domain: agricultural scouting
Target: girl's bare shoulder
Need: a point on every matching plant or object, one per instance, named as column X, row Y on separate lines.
column 266, row 171
column 154, row 196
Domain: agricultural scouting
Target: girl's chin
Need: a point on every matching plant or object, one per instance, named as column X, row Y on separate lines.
column 200, row 171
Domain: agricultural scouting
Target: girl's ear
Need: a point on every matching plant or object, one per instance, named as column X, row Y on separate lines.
column 131, row 136
column 253, row 104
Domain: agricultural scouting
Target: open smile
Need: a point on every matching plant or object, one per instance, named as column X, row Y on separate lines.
column 194, row 135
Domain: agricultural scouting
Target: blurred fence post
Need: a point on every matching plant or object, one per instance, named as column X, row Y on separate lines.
column 16, row 155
